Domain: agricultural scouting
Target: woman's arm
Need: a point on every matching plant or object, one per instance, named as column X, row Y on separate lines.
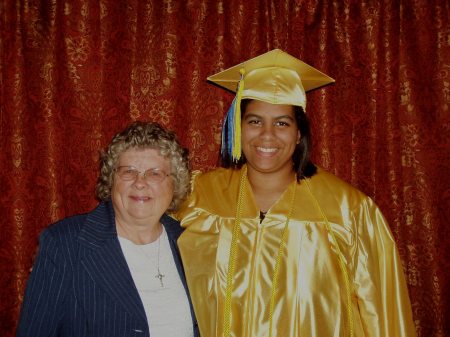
column 42, row 309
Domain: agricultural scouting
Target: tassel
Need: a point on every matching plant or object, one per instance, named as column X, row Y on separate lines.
column 227, row 131
column 237, row 119
column 231, row 130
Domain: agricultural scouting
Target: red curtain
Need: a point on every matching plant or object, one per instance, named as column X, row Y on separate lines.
column 73, row 73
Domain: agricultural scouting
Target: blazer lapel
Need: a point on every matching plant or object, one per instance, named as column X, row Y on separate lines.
column 102, row 258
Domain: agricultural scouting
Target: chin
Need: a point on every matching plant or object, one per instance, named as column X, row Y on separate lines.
column 266, row 169
column 140, row 214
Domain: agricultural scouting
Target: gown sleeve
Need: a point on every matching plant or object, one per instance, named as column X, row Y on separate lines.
column 380, row 286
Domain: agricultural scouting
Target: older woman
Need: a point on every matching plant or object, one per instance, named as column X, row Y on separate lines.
column 116, row 271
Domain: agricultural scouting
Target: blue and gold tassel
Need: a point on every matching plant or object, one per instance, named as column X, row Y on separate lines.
column 231, row 131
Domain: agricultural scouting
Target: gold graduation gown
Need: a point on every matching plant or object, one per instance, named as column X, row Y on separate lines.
column 311, row 297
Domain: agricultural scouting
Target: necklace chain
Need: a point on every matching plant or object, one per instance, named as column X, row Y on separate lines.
column 159, row 275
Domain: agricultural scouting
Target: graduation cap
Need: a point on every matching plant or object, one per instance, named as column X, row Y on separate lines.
column 274, row 77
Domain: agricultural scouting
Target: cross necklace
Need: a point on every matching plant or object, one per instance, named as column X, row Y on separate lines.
column 125, row 234
column 159, row 275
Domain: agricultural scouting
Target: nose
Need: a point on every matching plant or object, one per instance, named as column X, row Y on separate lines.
column 139, row 181
column 267, row 131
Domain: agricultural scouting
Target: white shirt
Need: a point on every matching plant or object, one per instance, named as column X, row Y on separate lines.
column 166, row 304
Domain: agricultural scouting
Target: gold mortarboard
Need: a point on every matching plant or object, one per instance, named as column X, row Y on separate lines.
column 274, row 77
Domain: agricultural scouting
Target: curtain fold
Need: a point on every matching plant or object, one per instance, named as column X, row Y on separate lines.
column 74, row 73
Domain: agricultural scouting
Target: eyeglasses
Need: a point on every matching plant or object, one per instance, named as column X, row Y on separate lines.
column 153, row 175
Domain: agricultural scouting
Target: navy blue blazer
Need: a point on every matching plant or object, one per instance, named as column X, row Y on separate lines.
column 81, row 286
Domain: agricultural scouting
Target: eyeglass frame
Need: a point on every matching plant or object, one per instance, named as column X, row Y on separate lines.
column 137, row 173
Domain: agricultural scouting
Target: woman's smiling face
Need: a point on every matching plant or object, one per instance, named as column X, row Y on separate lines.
column 138, row 201
column 269, row 136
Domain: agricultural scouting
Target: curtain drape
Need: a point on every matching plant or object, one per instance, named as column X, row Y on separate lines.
column 74, row 73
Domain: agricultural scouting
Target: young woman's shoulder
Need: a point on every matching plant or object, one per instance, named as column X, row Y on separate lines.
column 327, row 184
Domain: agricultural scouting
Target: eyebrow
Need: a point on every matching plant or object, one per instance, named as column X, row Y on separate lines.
column 134, row 167
column 251, row 114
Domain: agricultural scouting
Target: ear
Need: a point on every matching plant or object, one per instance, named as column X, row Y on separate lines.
column 299, row 136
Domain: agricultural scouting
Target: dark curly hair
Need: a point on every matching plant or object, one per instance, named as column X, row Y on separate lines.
column 146, row 135
column 302, row 163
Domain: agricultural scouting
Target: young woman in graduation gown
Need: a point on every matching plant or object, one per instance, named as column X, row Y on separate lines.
column 275, row 246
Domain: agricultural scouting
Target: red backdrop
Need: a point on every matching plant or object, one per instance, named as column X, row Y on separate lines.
column 73, row 73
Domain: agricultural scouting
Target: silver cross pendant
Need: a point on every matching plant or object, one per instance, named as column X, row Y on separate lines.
column 160, row 277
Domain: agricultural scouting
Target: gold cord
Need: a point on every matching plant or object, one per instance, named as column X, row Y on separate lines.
column 341, row 262
column 277, row 264
column 233, row 256
column 232, row 260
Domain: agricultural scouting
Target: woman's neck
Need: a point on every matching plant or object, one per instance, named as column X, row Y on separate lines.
column 139, row 234
column 268, row 187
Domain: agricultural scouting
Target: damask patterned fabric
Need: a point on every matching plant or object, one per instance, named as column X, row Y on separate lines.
column 74, row 73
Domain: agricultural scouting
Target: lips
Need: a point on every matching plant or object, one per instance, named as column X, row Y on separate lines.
column 266, row 149
column 140, row 199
